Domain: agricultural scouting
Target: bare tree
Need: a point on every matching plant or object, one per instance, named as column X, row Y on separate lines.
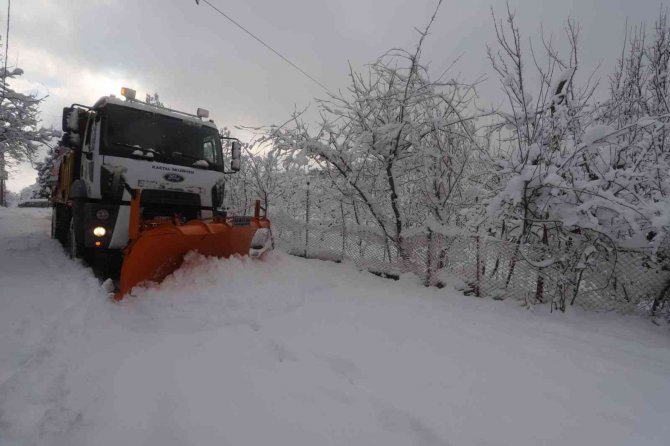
column 21, row 136
column 396, row 144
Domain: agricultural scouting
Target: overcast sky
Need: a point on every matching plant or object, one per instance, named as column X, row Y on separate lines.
column 80, row 50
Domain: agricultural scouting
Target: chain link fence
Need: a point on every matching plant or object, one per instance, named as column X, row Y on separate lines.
column 604, row 279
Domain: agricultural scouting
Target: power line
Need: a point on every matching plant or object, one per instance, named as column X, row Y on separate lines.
column 264, row 44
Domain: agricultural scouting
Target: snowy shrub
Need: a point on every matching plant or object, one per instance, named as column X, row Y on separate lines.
column 569, row 185
column 397, row 147
column 22, row 135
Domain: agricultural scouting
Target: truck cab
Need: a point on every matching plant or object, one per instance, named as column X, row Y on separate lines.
column 118, row 146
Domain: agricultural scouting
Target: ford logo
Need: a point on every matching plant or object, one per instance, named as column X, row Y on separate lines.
column 173, row 177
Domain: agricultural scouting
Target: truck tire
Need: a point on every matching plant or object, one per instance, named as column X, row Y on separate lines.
column 54, row 217
column 60, row 223
column 74, row 248
column 75, row 244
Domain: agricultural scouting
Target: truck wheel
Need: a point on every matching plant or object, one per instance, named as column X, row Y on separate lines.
column 106, row 263
column 60, row 223
column 75, row 247
column 54, row 217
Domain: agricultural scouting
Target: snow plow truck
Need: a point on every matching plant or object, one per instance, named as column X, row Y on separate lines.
column 145, row 184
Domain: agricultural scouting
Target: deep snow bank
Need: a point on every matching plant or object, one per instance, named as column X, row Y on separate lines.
column 292, row 351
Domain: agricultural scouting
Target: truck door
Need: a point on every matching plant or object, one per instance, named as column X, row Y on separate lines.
column 90, row 165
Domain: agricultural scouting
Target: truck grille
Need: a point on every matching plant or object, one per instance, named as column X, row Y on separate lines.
column 167, row 203
column 241, row 220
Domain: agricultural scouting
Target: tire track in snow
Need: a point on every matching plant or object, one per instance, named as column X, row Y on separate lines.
column 50, row 295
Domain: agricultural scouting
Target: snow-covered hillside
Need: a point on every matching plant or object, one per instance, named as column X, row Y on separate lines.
column 300, row 352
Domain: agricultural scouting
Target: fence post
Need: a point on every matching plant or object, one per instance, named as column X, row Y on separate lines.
column 3, row 177
column 539, row 290
column 477, row 287
column 660, row 298
column 429, row 258
column 344, row 231
column 513, row 262
column 307, row 221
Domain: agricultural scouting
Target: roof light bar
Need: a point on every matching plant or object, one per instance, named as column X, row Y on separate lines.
column 202, row 113
column 128, row 93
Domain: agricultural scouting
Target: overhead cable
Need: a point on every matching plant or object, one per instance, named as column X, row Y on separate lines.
column 258, row 39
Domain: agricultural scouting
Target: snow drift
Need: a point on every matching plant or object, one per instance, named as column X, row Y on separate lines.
column 292, row 351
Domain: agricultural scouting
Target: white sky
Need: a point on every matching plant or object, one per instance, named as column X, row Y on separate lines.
column 79, row 50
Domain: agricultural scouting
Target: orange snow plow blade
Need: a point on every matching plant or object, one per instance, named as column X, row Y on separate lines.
column 157, row 249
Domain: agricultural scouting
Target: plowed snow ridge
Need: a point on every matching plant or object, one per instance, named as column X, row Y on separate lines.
column 300, row 352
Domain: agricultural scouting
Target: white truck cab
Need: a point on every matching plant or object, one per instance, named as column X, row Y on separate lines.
column 117, row 146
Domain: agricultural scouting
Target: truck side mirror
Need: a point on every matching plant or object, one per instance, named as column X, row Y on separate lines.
column 71, row 140
column 70, row 120
column 235, row 156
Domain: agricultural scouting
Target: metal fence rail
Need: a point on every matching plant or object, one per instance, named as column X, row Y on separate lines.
column 624, row 281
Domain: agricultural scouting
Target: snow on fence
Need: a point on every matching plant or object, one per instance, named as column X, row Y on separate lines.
column 624, row 281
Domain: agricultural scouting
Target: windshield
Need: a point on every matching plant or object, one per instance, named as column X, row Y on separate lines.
column 138, row 133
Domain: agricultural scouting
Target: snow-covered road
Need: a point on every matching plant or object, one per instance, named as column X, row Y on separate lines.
column 297, row 352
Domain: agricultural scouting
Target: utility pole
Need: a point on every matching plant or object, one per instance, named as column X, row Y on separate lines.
column 2, row 191
column 3, row 172
column 3, row 177
column 307, row 221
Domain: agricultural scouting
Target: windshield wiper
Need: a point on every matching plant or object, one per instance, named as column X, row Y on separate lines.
column 130, row 146
column 137, row 148
column 198, row 161
column 156, row 152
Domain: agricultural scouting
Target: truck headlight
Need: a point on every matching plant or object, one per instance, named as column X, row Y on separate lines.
column 99, row 231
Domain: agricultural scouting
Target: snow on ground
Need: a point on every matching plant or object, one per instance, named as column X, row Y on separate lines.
column 301, row 352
